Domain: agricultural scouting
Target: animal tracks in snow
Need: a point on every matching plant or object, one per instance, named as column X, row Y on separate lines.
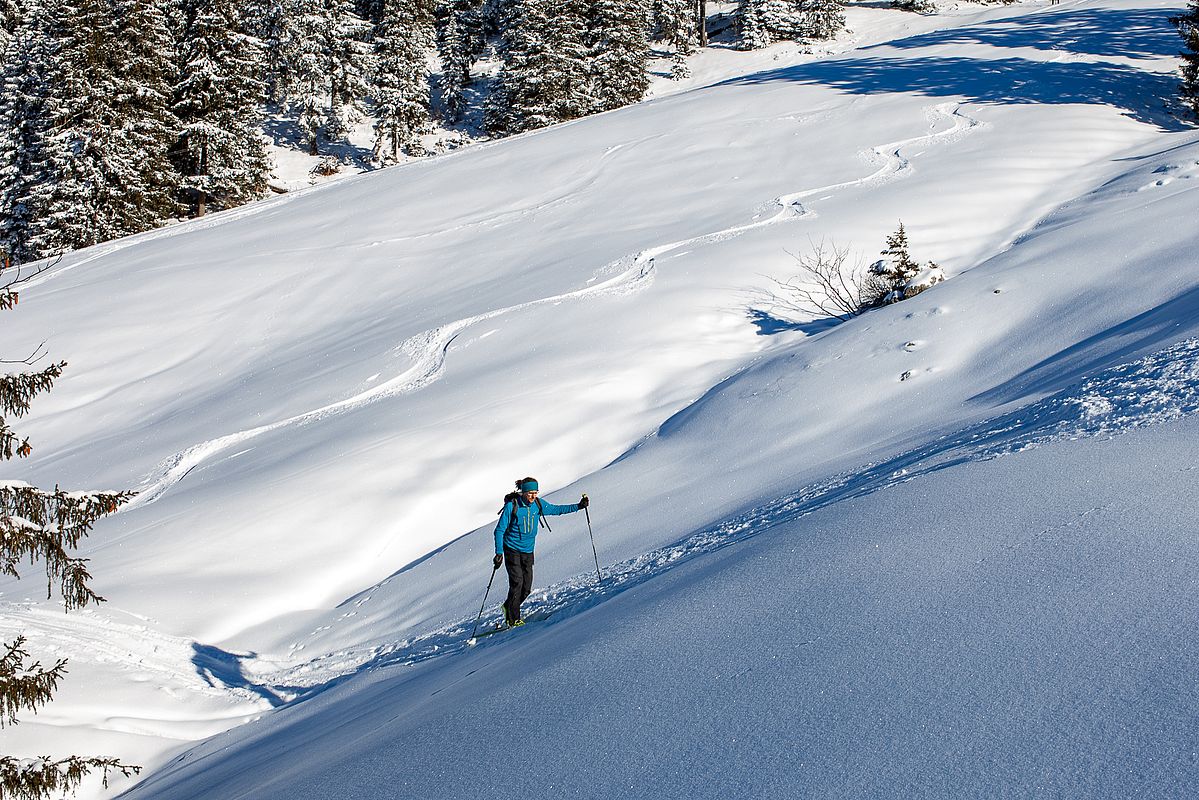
column 1171, row 172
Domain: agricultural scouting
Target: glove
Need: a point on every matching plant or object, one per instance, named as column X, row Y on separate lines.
column 499, row 559
column 584, row 502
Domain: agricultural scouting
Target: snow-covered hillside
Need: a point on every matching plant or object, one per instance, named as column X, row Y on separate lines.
column 322, row 398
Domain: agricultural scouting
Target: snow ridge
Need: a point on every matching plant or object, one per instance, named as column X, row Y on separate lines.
column 1161, row 387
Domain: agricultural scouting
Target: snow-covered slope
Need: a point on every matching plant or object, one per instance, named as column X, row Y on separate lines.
column 320, row 395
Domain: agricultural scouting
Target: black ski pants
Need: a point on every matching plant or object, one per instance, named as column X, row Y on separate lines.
column 520, row 580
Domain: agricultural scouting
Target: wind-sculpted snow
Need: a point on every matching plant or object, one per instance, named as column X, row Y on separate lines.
column 428, row 349
column 1158, row 388
column 329, row 391
column 428, row 353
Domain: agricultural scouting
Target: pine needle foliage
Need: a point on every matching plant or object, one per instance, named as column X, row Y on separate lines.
column 1188, row 28
column 762, row 22
column 899, row 266
column 44, row 777
column 400, row 77
column 42, row 528
column 898, row 275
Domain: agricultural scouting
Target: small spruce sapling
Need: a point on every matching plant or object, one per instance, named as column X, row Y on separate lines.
column 899, row 276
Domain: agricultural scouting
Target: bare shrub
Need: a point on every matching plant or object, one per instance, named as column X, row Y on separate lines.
column 826, row 285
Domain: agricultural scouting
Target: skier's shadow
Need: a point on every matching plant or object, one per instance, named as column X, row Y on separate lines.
column 220, row 668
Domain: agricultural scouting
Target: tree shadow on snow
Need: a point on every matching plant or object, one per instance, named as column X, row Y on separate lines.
column 768, row 324
column 1140, row 33
column 1015, row 80
column 286, row 132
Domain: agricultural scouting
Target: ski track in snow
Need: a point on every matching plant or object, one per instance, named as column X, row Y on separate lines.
column 429, row 348
column 1158, row 388
column 789, row 207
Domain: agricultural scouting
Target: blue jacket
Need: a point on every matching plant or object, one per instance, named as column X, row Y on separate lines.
column 517, row 528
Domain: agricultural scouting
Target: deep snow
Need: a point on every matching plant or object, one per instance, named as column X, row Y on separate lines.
column 322, row 398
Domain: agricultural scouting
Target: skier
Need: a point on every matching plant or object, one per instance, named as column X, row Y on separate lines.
column 515, row 535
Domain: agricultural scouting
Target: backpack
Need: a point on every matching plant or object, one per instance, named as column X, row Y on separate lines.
column 512, row 497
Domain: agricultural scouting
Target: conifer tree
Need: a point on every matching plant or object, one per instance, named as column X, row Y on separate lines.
column 899, row 264
column 11, row 15
column 308, row 80
column 915, row 6
column 822, row 19
column 675, row 24
column 272, row 23
column 217, row 97
column 460, row 41
column 752, row 31
column 350, row 62
column 142, row 45
column 894, row 278
column 401, row 76
column 619, row 46
column 546, row 73
column 32, row 72
column 763, row 22
column 96, row 167
column 369, row 10
column 1188, row 27
column 331, row 61
column 46, row 527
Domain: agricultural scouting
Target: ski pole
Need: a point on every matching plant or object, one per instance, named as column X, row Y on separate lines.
column 473, row 630
column 592, row 535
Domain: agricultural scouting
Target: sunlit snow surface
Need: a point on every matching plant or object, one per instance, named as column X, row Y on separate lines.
column 320, row 396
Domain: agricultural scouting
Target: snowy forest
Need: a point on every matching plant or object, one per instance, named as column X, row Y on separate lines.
column 119, row 116
column 389, row 255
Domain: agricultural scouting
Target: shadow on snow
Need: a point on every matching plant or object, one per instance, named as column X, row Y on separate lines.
column 1160, row 387
column 1014, row 80
column 769, row 324
column 1141, row 33
column 1119, row 343
column 220, row 668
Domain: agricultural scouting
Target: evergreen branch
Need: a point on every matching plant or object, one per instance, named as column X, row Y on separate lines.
column 18, row 390
column 11, row 445
column 47, row 526
column 42, row 778
column 25, row 687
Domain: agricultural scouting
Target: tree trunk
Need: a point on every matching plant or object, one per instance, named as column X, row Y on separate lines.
column 701, row 20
